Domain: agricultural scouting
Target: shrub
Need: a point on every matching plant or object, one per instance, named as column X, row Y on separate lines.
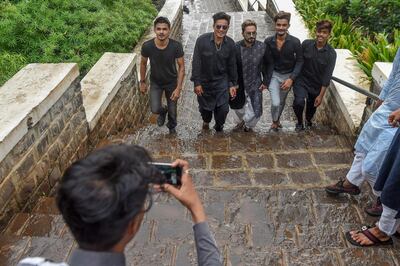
column 78, row 31
column 367, row 47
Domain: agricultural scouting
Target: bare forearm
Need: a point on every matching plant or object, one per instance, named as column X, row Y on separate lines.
column 143, row 68
column 181, row 76
column 323, row 90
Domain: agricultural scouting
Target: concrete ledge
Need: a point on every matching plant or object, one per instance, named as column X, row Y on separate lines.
column 103, row 81
column 170, row 10
column 297, row 26
column 352, row 103
column 27, row 97
column 381, row 72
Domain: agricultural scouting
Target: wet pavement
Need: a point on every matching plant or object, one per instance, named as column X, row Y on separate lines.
column 263, row 192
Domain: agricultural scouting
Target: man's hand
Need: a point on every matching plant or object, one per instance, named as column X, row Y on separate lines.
column 187, row 193
column 287, row 84
column 263, row 87
column 176, row 94
column 318, row 101
column 198, row 90
column 394, row 118
column 143, row 87
column 232, row 92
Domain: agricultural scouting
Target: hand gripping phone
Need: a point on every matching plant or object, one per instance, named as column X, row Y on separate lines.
column 170, row 175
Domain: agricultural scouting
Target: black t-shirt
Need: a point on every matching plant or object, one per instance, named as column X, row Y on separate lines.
column 318, row 65
column 163, row 62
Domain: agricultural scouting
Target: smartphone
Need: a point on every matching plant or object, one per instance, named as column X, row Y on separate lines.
column 170, row 175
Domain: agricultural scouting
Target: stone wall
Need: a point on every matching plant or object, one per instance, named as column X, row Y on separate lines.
column 343, row 108
column 44, row 130
column 111, row 96
column 49, row 119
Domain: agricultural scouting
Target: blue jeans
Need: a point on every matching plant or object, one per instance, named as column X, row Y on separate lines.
column 278, row 96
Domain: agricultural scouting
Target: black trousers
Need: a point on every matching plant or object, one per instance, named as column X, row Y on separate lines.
column 156, row 93
column 215, row 100
column 304, row 99
column 220, row 114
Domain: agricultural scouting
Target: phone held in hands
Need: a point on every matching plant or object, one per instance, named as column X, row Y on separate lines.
column 169, row 174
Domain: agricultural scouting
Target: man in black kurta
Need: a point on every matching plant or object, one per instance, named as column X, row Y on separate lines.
column 214, row 72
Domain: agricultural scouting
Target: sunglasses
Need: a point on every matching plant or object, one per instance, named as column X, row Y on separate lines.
column 224, row 27
column 251, row 33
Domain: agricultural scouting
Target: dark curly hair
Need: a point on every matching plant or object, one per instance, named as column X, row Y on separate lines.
column 99, row 195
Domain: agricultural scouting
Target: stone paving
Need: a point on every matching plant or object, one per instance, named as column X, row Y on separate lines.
column 263, row 192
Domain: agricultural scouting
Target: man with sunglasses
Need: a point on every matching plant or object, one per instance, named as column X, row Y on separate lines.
column 214, row 72
column 251, row 58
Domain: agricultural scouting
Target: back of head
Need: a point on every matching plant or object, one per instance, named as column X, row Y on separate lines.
column 99, row 195
column 221, row 15
column 282, row 15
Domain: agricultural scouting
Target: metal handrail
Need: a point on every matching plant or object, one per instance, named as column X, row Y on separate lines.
column 266, row 4
column 357, row 89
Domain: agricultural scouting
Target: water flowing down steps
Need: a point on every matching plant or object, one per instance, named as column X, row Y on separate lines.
column 263, row 192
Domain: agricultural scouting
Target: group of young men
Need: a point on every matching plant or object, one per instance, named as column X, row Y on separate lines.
column 234, row 75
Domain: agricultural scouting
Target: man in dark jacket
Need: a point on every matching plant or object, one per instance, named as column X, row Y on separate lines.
column 251, row 57
column 214, row 72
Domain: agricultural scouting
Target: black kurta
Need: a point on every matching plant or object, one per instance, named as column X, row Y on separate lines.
column 214, row 69
column 251, row 65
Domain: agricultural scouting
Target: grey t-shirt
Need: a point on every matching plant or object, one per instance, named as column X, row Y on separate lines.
column 163, row 62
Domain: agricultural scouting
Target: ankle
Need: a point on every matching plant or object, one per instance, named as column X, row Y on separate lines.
column 378, row 233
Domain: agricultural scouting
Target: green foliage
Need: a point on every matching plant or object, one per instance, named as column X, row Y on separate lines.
column 9, row 65
column 78, row 31
column 373, row 15
column 349, row 33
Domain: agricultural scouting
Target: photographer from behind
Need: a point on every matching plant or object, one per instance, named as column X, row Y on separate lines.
column 103, row 199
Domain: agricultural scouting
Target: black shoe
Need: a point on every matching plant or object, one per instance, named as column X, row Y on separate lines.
column 239, row 126
column 161, row 118
column 247, row 129
column 309, row 124
column 206, row 126
column 172, row 131
column 219, row 128
column 299, row 127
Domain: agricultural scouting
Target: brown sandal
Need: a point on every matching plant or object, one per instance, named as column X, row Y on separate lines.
column 375, row 241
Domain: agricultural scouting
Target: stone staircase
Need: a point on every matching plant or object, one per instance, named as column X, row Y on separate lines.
column 263, row 192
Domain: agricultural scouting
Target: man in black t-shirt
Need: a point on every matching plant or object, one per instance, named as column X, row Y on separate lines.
column 164, row 54
column 311, row 84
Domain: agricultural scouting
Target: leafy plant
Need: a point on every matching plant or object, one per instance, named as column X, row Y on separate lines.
column 78, row 31
column 352, row 28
